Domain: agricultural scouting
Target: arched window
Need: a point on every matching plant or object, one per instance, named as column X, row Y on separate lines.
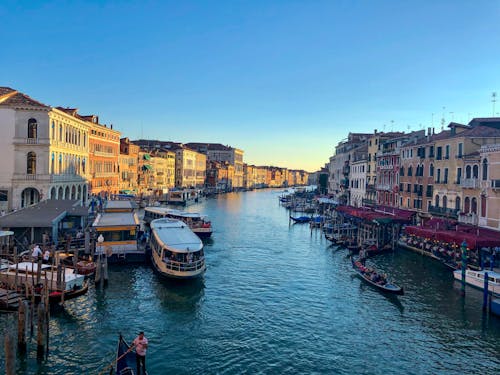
column 485, row 170
column 53, row 129
column 60, row 164
column 467, row 205
column 410, row 171
column 402, row 171
column 431, row 170
column 457, row 203
column 475, row 171
column 437, row 201
column 473, row 206
column 32, row 128
column 468, row 172
column 31, row 163
column 483, row 205
column 60, row 132
column 445, row 202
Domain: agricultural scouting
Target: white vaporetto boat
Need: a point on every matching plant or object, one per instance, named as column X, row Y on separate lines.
column 476, row 279
column 176, row 252
column 197, row 222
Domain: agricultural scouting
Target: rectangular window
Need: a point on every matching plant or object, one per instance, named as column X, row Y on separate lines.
column 439, row 154
column 431, row 151
column 4, row 194
column 459, row 175
column 445, row 176
column 460, row 149
column 447, row 152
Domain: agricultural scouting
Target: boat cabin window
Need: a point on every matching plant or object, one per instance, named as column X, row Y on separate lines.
column 119, row 235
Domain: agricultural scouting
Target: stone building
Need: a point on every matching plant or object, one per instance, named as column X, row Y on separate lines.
column 44, row 152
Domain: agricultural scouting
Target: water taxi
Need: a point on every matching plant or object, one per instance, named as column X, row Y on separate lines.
column 476, row 279
column 176, row 251
column 183, row 197
column 197, row 222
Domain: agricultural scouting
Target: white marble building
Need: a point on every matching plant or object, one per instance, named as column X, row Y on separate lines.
column 44, row 152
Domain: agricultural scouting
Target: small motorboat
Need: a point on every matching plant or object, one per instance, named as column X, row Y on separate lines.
column 374, row 278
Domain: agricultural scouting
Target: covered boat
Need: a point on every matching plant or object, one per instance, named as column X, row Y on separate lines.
column 176, row 251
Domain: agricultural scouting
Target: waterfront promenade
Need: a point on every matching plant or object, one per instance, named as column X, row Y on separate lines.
column 276, row 299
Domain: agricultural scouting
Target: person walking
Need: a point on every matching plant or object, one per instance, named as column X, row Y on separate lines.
column 46, row 256
column 141, row 344
column 37, row 253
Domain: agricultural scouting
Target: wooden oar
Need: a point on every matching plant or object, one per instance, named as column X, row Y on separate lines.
column 117, row 359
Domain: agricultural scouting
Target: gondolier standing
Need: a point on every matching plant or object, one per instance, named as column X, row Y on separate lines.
column 141, row 344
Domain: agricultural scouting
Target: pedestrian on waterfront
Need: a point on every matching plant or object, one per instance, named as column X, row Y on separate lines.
column 141, row 344
column 46, row 256
column 36, row 253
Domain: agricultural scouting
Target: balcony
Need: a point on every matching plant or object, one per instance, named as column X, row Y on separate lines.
column 368, row 202
column 370, row 188
column 470, row 218
column 385, row 167
column 386, row 187
column 66, row 177
column 445, row 212
column 469, row 183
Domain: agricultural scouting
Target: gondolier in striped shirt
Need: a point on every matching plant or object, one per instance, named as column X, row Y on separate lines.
column 141, row 344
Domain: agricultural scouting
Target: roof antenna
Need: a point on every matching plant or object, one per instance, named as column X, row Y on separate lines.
column 493, row 100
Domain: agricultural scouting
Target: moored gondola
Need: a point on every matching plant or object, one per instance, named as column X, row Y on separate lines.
column 374, row 278
column 301, row 219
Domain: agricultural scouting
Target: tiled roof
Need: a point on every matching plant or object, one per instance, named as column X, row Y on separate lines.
column 5, row 90
column 480, row 131
column 208, row 146
column 13, row 98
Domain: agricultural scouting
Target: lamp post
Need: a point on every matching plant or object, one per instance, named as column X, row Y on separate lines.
column 464, row 264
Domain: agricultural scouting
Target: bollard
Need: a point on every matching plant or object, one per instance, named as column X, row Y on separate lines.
column 21, row 327
column 10, row 355
column 485, row 292
column 40, row 347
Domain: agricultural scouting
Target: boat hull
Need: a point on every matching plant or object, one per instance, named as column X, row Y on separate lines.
column 387, row 288
column 472, row 279
column 162, row 271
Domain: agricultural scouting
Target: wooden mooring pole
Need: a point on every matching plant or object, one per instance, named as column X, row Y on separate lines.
column 40, row 347
column 10, row 354
column 21, row 326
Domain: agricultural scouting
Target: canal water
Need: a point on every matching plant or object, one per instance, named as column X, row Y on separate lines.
column 276, row 299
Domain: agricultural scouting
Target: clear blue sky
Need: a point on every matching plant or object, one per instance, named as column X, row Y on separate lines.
column 282, row 80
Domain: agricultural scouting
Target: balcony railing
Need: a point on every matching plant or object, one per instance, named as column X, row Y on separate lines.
column 387, row 187
column 442, row 211
column 469, row 183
